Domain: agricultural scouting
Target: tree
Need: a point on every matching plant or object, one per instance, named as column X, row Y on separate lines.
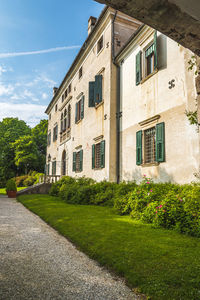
column 10, row 130
column 39, row 134
column 26, row 154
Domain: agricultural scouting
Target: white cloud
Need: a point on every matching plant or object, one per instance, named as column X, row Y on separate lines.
column 30, row 113
column 44, row 96
column 5, row 89
column 2, row 70
column 13, row 54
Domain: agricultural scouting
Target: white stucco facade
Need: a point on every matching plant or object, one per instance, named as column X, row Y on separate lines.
column 161, row 97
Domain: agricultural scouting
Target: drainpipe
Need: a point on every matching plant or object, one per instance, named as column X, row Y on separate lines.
column 118, row 112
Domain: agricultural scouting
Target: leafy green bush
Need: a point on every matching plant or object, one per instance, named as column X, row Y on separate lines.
column 29, row 181
column 11, row 185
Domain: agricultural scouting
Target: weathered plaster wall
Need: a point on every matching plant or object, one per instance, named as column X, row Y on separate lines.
column 178, row 19
column 100, row 121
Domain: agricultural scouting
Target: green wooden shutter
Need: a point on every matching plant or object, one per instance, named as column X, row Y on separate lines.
column 138, row 68
column 160, row 142
column 82, row 107
column 93, row 156
column 155, row 51
column 102, row 154
column 91, row 102
column 81, row 160
column 98, row 89
column 74, row 162
column 76, row 112
column 139, row 147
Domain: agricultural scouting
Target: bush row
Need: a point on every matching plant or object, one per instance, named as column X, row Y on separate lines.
column 86, row 191
column 28, row 180
column 168, row 205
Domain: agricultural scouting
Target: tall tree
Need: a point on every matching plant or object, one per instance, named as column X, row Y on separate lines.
column 26, row 153
column 10, row 130
column 39, row 134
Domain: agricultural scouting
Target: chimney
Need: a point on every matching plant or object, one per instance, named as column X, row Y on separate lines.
column 54, row 90
column 91, row 24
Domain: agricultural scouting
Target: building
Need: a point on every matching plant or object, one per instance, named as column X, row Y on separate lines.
column 82, row 113
column 156, row 89
column 119, row 113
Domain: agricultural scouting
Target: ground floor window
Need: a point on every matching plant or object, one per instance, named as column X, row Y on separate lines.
column 98, row 155
column 78, row 161
column 54, row 168
column 150, row 145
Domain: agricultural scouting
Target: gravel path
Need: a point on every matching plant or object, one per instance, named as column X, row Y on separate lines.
column 37, row 263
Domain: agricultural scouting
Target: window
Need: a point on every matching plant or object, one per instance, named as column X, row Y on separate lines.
column 98, row 155
column 146, row 61
column 78, row 161
column 150, row 145
column 100, row 44
column 95, row 91
column 49, row 116
column 54, row 167
column 48, row 169
column 80, row 73
column 65, row 120
column 61, row 123
column 49, row 139
column 69, row 117
column 149, row 60
column 66, row 93
column 55, row 133
column 69, row 88
column 79, row 113
column 63, row 97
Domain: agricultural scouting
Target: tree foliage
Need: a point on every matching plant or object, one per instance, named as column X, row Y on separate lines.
column 21, row 148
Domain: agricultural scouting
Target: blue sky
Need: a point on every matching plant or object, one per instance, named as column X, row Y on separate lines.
column 29, row 26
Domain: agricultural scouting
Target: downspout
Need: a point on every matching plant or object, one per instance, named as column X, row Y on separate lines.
column 118, row 113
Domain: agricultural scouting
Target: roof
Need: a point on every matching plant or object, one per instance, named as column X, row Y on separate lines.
column 81, row 51
column 132, row 37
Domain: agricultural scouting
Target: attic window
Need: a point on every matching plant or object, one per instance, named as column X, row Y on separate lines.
column 100, row 44
column 80, row 72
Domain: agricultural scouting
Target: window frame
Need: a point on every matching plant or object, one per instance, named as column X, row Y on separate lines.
column 80, row 72
column 55, row 133
column 100, row 44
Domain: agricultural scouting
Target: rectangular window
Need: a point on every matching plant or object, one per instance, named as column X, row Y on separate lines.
column 146, row 61
column 66, row 93
column 47, row 169
column 49, row 139
column 63, row 97
column 150, row 145
column 149, row 60
column 78, row 161
column 95, row 91
column 55, row 133
column 98, row 155
column 79, row 114
column 100, row 44
column 54, row 168
column 69, row 88
column 80, row 73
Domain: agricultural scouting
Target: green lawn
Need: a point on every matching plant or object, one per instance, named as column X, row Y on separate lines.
column 3, row 190
column 159, row 263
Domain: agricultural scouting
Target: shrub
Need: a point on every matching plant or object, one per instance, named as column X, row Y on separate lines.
column 20, row 180
column 29, row 181
column 11, row 185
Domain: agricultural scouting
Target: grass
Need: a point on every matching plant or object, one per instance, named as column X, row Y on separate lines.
column 3, row 190
column 159, row 263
